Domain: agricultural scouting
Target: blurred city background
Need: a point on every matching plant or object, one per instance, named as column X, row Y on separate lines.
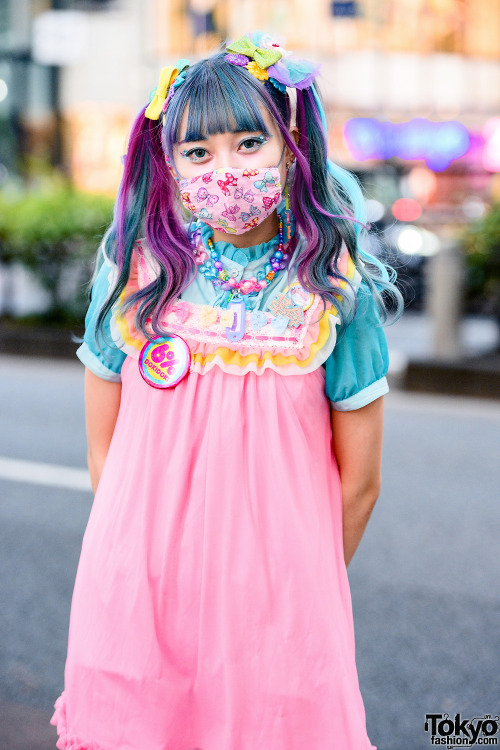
column 412, row 92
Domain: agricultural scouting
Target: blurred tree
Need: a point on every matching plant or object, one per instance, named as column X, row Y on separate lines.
column 481, row 244
column 54, row 232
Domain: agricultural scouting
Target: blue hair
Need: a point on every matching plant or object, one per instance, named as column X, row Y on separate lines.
column 220, row 97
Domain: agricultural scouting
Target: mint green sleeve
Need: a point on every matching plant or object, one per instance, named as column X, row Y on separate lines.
column 104, row 360
column 356, row 369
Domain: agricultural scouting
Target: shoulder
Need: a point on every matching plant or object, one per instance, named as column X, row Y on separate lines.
column 102, row 282
column 357, row 368
column 97, row 351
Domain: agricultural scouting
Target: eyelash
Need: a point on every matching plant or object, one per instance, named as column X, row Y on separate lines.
column 259, row 140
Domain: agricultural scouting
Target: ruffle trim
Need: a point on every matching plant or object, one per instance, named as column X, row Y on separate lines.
column 298, row 350
column 66, row 740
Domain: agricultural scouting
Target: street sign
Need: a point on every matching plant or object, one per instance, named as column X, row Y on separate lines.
column 345, row 10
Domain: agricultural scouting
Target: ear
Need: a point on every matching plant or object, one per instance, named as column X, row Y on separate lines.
column 294, row 132
column 290, row 156
column 171, row 170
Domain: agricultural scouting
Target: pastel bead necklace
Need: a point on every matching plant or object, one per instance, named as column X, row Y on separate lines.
column 213, row 269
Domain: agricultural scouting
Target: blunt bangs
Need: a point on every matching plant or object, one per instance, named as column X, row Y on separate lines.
column 221, row 97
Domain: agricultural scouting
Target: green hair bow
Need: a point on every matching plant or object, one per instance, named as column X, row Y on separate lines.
column 263, row 57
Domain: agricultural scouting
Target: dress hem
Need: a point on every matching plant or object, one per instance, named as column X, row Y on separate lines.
column 66, row 740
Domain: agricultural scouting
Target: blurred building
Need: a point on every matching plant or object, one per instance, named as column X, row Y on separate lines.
column 412, row 87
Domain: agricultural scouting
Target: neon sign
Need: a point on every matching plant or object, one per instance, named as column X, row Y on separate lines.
column 491, row 151
column 436, row 143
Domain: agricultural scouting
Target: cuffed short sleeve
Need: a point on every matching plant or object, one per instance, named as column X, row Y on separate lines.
column 101, row 357
column 356, row 369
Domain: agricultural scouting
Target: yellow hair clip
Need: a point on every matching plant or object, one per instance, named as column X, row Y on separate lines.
column 167, row 77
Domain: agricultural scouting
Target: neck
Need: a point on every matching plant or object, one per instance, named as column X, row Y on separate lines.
column 261, row 233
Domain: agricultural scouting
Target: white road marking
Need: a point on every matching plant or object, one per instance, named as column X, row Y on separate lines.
column 49, row 475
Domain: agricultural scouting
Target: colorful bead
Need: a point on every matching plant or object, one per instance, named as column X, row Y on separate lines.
column 277, row 84
column 213, row 269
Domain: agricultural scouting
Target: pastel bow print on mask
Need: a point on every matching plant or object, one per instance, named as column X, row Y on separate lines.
column 203, row 213
column 203, row 195
column 268, row 179
column 248, row 196
column 223, row 184
column 252, row 223
column 263, row 57
column 230, row 212
column 252, row 212
column 217, row 202
column 268, row 202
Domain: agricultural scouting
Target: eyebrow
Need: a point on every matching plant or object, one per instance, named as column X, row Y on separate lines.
column 206, row 137
column 180, row 143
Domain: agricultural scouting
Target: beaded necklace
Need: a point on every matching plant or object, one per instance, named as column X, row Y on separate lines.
column 213, row 269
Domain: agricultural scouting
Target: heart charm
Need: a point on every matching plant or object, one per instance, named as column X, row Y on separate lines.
column 258, row 319
column 182, row 311
column 279, row 323
column 201, row 258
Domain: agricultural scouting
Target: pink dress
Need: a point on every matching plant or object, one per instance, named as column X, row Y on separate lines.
column 211, row 608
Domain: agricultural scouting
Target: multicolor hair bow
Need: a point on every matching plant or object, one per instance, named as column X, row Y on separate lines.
column 262, row 56
column 266, row 59
column 171, row 77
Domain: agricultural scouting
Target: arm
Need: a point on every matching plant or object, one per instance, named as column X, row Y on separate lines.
column 102, row 403
column 357, row 444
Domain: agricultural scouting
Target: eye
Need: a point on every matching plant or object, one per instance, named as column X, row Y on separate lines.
column 195, row 154
column 253, row 143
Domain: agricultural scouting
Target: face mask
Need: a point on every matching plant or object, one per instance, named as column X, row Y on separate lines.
column 232, row 200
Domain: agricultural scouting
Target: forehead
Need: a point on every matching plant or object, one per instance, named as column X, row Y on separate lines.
column 270, row 127
column 203, row 110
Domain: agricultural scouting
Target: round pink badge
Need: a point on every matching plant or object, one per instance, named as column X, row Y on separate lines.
column 164, row 361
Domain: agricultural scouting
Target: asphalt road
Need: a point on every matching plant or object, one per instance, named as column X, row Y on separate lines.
column 424, row 581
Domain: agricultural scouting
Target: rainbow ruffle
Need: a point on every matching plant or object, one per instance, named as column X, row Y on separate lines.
column 298, row 350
